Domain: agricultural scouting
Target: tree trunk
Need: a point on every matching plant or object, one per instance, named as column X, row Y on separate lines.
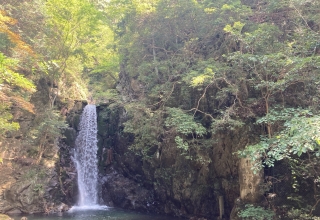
column 249, row 182
column 155, row 58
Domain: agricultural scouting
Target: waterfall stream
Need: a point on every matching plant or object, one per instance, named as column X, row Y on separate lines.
column 85, row 158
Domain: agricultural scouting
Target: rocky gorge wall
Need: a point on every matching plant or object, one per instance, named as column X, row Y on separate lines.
column 165, row 181
column 27, row 186
column 160, row 180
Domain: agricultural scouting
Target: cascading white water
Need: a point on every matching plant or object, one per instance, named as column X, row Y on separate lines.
column 85, row 158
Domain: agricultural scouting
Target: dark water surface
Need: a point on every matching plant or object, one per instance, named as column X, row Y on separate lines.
column 102, row 214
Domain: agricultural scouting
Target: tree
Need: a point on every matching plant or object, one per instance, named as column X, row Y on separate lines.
column 278, row 67
column 15, row 39
column 77, row 40
column 14, row 86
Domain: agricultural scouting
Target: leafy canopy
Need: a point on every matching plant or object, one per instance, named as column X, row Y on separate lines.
column 14, row 87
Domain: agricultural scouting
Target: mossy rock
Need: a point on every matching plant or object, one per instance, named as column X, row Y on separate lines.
column 5, row 217
column 74, row 120
column 70, row 136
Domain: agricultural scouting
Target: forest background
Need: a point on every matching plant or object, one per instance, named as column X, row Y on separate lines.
column 181, row 68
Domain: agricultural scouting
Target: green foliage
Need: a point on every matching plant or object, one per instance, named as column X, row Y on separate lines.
column 224, row 63
column 6, row 123
column 82, row 49
column 235, row 29
column 10, row 77
column 146, row 125
column 181, row 144
column 300, row 135
column 301, row 214
column 49, row 124
column 184, row 123
column 46, row 131
column 275, row 65
column 204, row 73
column 37, row 178
column 252, row 212
column 277, row 115
column 106, row 96
column 12, row 86
column 4, row 41
column 15, row 88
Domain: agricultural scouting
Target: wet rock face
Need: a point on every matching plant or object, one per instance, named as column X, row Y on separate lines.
column 122, row 192
column 73, row 115
column 67, row 179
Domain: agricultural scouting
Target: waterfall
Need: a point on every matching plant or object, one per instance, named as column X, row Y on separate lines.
column 85, row 158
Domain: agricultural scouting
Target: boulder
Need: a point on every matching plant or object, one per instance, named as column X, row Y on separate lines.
column 5, row 217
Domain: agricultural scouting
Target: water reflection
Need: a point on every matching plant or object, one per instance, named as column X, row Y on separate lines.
column 98, row 214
